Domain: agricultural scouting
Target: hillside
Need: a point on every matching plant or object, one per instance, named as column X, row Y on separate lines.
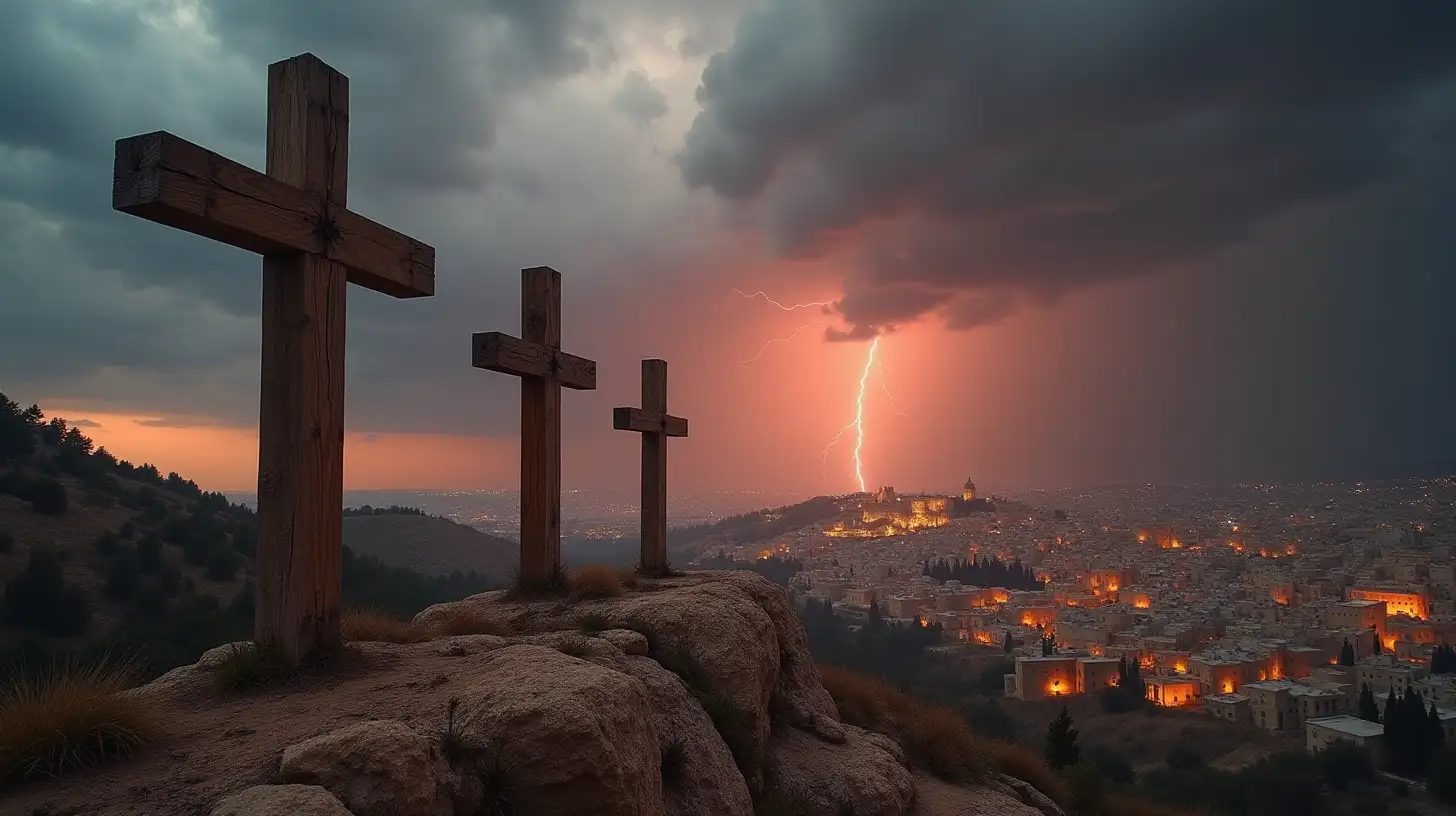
column 98, row 554
column 429, row 545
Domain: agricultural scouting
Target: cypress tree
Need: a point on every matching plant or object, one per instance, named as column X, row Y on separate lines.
column 1347, row 654
column 1062, row 750
column 1369, row 710
column 1006, row 643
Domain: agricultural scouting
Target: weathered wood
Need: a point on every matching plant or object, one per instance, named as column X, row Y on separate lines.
column 171, row 181
column 301, row 425
column 312, row 247
column 636, row 419
column 655, row 424
column 496, row 351
column 536, row 358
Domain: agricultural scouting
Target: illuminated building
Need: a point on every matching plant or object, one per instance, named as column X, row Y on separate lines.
column 890, row 514
column 1357, row 614
column 1166, row 690
column 1038, row 678
column 1397, row 602
column 968, row 493
column 1283, row 705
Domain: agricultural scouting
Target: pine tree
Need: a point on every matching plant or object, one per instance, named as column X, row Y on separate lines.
column 1062, row 750
column 1369, row 710
column 1435, row 735
column 1347, row 654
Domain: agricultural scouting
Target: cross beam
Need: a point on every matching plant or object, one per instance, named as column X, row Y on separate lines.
column 655, row 424
column 295, row 215
column 536, row 357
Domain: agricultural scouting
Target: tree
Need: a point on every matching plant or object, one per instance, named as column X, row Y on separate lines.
column 1375, row 642
column 1443, row 776
column 1049, row 644
column 1006, row 643
column 1369, row 709
column 1343, row 763
column 17, row 438
column 48, row 497
column 39, row 599
column 1443, row 660
column 1062, row 750
column 1347, row 654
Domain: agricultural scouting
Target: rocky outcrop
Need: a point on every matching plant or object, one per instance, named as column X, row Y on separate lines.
column 281, row 800
column 379, row 768
column 688, row 696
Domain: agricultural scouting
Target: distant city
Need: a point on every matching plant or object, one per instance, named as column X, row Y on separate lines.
column 585, row 513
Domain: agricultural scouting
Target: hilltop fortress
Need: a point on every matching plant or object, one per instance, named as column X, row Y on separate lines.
column 890, row 514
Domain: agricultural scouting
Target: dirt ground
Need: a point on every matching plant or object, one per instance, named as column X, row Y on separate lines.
column 215, row 743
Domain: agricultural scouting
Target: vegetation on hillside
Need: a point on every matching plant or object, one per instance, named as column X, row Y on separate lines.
column 983, row 572
column 759, row 524
column 391, row 510
column 166, row 575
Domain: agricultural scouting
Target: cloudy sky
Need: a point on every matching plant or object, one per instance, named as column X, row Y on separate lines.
column 1110, row 242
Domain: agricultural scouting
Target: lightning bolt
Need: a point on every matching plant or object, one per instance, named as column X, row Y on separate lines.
column 885, row 384
column 783, row 339
column 775, row 303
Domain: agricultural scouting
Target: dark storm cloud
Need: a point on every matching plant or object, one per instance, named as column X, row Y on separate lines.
column 639, row 100
column 967, row 147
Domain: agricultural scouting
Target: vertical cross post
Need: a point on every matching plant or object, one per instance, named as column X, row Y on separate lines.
column 295, row 216
column 536, row 357
column 301, row 422
column 655, row 424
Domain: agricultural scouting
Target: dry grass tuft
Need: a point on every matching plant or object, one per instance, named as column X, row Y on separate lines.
column 374, row 625
column 595, row 582
column 1020, row 762
column 464, row 620
column 71, row 717
column 938, row 739
column 935, row 738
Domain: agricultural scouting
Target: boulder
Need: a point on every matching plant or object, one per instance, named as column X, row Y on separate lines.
column 378, row 768
column 809, row 776
column 630, row 642
column 553, row 734
column 699, row 777
column 936, row 798
column 281, row 800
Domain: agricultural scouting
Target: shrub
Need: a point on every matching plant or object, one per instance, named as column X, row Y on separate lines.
column 674, row 764
column 938, row 740
column 593, row 622
column 374, row 625
column 122, row 577
column 1344, row 764
column 1019, row 762
column 39, row 598
column 594, row 582
column 149, row 552
column 48, row 497
column 1443, row 776
column 1087, row 788
column 1184, row 758
column 222, row 565
column 462, row 620
column 70, row 717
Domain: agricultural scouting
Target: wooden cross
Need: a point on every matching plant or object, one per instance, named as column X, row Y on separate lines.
column 312, row 248
column 655, row 424
column 536, row 357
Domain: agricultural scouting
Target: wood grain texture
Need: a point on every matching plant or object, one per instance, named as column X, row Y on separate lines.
column 171, row 181
column 301, row 424
column 655, row 424
column 496, row 351
column 536, row 358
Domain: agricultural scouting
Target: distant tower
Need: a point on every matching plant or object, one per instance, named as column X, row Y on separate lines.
column 886, row 495
column 968, row 493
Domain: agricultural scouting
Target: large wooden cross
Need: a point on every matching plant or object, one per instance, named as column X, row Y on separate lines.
column 312, row 248
column 536, row 357
column 655, row 424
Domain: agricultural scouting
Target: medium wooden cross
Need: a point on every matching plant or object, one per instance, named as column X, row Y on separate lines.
column 655, row 424
column 312, row 248
column 536, row 357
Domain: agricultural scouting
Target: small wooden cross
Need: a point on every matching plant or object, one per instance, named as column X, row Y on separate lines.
column 536, row 357
column 655, row 424
column 312, row 248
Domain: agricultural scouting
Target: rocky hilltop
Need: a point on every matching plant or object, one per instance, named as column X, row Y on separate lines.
column 690, row 695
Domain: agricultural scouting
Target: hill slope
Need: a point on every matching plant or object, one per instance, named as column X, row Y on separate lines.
column 98, row 555
column 429, row 545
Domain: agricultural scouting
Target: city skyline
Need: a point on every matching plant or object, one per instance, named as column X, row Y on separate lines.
column 1081, row 271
